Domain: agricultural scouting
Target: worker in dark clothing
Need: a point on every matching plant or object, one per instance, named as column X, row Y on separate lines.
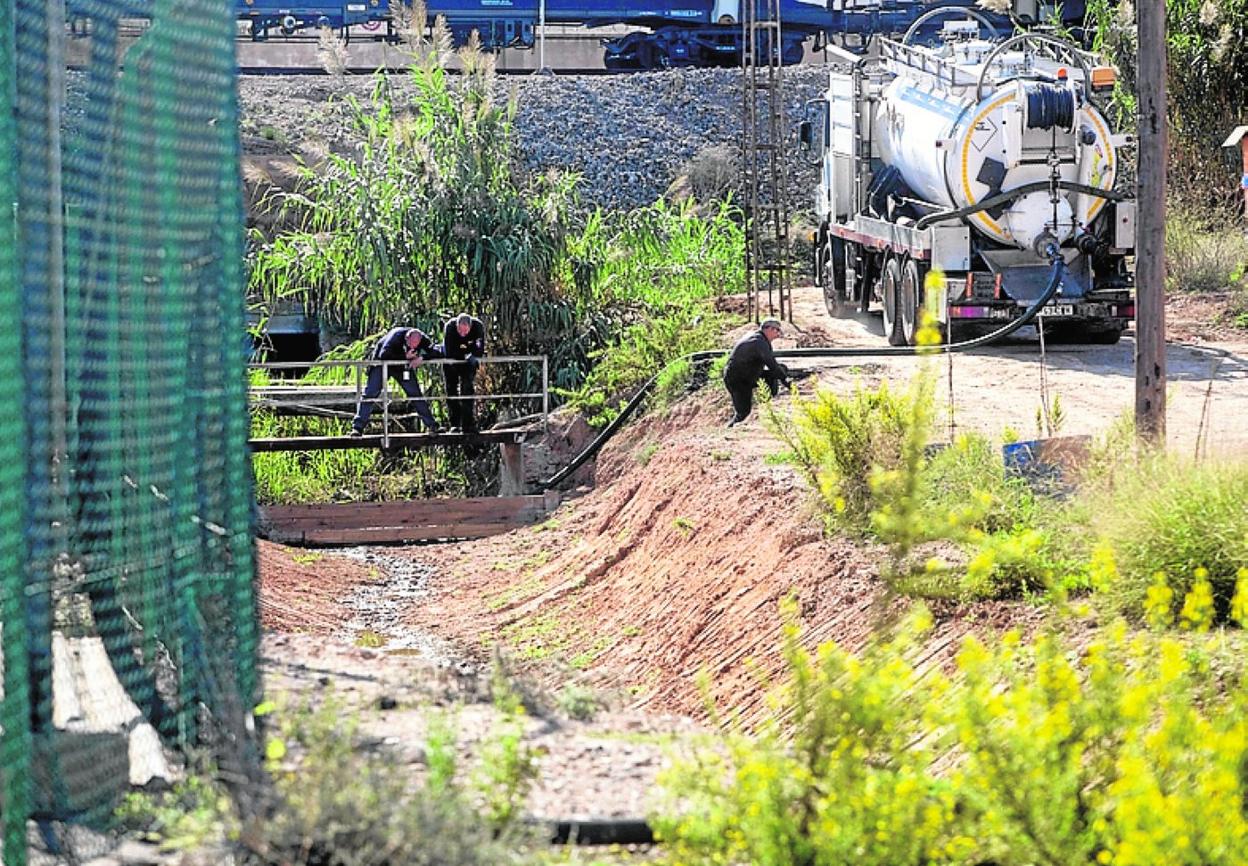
column 750, row 360
column 463, row 344
column 399, row 344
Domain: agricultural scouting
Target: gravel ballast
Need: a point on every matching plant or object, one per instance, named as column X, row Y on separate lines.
column 629, row 136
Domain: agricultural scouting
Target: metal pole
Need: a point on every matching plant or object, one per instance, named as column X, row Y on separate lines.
column 58, row 396
column 541, row 37
column 1150, row 244
column 385, row 404
column 545, row 393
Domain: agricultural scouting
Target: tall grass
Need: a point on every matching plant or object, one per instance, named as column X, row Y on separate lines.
column 1205, row 255
column 1169, row 515
column 430, row 214
column 1207, row 87
column 656, row 269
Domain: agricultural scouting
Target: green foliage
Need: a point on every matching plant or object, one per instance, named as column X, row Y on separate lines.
column 656, row 269
column 343, row 804
column 1127, row 751
column 195, row 813
column 840, row 442
column 1207, row 86
column 646, row 453
column 844, row 780
column 1204, row 255
column 868, row 457
column 1169, row 515
column 429, row 214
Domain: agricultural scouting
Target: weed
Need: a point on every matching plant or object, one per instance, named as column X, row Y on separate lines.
column 369, row 639
column 346, row 804
column 630, row 631
column 1038, row 752
column 647, row 452
column 578, row 702
column 779, row 458
column 683, row 525
column 839, row 442
column 196, row 812
column 719, row 455
column 514, row 593
column 307, row 558
column 1050, row 416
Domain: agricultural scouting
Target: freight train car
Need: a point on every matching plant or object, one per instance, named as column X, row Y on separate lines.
column 678, row 32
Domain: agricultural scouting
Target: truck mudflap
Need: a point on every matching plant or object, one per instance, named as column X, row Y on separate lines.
column 1118, row 312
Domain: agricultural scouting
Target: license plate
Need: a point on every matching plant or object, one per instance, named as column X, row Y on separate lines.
column 1057, row 310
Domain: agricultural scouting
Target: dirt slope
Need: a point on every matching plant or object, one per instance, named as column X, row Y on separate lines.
column 675, row 564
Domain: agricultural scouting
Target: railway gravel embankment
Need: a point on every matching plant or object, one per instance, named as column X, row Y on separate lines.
column 629, row 136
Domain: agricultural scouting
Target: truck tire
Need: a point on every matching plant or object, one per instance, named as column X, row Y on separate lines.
column 832, row 276
column 890, row 288
column 910, row 300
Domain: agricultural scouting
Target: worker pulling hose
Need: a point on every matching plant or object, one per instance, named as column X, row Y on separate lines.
column 1055, row 282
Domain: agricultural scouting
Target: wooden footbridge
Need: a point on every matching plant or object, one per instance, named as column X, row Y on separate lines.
column 333, row 391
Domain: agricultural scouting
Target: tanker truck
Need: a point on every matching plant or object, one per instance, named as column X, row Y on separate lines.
column 980, row 158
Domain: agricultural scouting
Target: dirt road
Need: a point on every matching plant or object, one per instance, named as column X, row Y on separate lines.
column 1001, row 386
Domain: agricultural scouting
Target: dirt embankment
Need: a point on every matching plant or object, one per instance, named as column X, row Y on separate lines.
column 676, row 561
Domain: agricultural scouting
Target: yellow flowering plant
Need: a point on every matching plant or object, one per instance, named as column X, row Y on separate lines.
column 1128, row 747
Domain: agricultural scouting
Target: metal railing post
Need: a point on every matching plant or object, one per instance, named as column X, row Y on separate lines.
column 359, row 388
column 545, row 393
column 385, row 404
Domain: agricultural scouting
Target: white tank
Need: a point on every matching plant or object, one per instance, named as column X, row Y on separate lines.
column 954, row 151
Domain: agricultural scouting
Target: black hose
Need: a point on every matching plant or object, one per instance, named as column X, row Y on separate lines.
column 1018, row 192
column 1055, row 282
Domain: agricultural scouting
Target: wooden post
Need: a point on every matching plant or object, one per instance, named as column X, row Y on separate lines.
column 1150, row 242
column 511, row 469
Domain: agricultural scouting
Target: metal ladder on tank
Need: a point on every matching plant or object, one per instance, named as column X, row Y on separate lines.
column 763, row 165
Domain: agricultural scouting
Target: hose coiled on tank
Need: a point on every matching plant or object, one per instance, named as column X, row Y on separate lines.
column 1049, row 106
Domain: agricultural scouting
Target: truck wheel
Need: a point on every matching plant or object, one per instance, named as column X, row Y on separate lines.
column 910, row 300
column 836, row 257
column 832, row 275
column 890, row 286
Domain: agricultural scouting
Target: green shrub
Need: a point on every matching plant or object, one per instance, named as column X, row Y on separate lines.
column 1175, row 517
column 867, row 456
column 1127, row 751
column 839, row 442
column 843, row 780
column 644, row 349
column 970, row 470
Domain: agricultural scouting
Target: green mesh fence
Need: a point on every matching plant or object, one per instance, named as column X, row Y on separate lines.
column 127, row 621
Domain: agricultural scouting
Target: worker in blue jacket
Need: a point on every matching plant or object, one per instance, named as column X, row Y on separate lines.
column 463, row 345
column 751, row 359
column 399, row 344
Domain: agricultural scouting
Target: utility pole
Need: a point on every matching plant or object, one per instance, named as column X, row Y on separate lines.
column 1150, row 242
